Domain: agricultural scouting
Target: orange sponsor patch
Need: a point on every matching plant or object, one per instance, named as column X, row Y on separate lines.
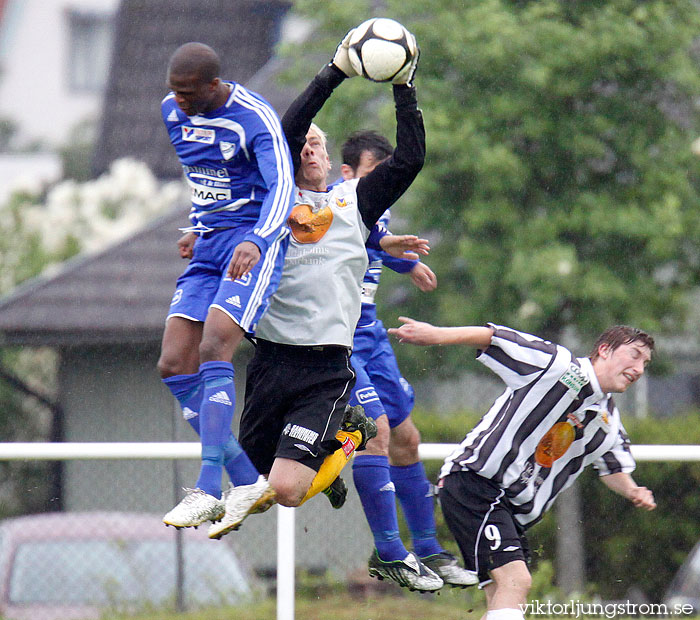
column 309, row 226
column 554, row 444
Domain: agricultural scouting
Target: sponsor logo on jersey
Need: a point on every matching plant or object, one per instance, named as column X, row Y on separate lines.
column 234, row 300
column 173, row 117
column 603, row 420
column 341, row 202
column 198, row 134
column 574, row 378
column 301, row 433
column 511, row 548
column 366, row 395
column 309, row 223
column 221, row 398
column 554, row 444
column 228, row 150
column 176, row 297
column 369, row 290
column 206, row 194
column 203, row 171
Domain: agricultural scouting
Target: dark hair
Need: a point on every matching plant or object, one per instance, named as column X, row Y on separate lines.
column 195, row 59
column 361, row 141
column 619, row 335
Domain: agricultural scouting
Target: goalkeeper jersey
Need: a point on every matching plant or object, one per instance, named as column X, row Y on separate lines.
column 318, row 298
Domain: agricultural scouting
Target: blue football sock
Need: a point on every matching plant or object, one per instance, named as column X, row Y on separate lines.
column 239, row 467
column 187, row 389
column 415, row 494
column 215, row 417
column 376, row 491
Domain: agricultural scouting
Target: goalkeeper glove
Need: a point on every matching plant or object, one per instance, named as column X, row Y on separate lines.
column 341, row 59
column 406, row 76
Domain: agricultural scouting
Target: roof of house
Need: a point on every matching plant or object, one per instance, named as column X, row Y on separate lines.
column 122, row 294
column 118, row 295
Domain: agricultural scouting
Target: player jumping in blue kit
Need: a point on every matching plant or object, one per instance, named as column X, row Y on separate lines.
column 237, row 164
column 390, row 466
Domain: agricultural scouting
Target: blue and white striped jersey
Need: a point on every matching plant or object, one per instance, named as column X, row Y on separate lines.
column 377, row 259
column 551, row 422
column 237, row 164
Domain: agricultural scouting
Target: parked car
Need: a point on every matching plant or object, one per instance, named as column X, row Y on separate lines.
column 61, row 566
column 685, row 586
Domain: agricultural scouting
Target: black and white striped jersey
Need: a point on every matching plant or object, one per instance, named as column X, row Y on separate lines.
column 551, row 422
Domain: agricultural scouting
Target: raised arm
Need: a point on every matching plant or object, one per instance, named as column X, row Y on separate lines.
column 297, row 119
column 382, row 187
column 417, row 332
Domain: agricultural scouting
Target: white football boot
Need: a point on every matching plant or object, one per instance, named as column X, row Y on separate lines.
column 240, row 502
column 446, row 566
column 194, row 509
column 409, row 573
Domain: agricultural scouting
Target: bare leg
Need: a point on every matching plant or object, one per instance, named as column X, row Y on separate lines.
column 220, row 337
column 290, row 480
column 510, row 586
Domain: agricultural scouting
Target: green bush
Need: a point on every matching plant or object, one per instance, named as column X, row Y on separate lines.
column 630, row 546
column 625, row 546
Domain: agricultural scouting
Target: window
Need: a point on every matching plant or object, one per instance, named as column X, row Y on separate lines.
column 90, row 37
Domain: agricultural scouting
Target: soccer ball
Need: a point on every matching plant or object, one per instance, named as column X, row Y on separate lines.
column 380, row 48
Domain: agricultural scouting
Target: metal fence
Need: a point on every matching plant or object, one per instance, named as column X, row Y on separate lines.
column 117, row 544
column 109, row 550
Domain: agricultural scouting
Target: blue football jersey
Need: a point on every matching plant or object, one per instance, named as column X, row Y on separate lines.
column 236, row 163
column 377, row 259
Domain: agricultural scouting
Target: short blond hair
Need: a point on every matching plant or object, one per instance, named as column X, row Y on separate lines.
column 314, row 128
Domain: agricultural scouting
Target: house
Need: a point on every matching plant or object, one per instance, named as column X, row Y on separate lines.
column 54, row 62
column 55, row 58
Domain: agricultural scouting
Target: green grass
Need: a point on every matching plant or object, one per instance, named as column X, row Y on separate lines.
column 396, row 605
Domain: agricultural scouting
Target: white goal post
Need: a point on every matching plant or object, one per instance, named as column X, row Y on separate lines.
column 285, row 516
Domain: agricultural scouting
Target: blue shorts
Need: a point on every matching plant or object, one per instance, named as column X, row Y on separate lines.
column 204, row 283
column 379, row 387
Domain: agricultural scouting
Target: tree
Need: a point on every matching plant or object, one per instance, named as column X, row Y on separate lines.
column 559, row 188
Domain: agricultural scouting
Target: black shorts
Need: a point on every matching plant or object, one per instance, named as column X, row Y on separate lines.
column 295, row 398
column 481, row 521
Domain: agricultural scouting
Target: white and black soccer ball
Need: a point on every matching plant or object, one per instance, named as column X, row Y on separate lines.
column 380, row 48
